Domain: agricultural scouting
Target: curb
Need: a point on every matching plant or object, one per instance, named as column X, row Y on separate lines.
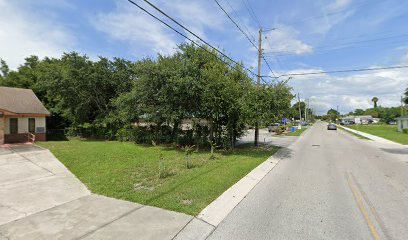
column 371, row 137
column 216, row 211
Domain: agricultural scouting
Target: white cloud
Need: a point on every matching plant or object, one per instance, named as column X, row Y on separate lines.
column 24, row 33
column 338, row 5
column 129, row 24
column 285, row 39
column 404, row 59
column 137, row 29
column 353, row 91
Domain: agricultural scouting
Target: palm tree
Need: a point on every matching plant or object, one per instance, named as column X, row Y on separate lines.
column 375, row 100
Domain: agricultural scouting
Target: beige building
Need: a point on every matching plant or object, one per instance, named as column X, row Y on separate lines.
column 402, row 123
column 22, row 116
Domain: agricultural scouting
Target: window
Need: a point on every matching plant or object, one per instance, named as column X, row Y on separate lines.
column 13, row 125
column 31, row 125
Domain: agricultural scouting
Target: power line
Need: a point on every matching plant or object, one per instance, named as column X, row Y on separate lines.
column 239, row 28
column 240, row 20
column 175, row 30
column 343, row 71
column 273, row 55
column 351, row 44
column 246, row 35
column 251, row 12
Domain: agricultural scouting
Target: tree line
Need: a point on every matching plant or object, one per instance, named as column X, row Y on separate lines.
column 106, row 97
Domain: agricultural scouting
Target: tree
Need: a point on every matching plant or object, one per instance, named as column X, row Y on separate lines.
column 333, row 115
column 4, row 68
column 295, row 109
column 358, row 112
column 406, row 96
column 108, row 95
column 375, row 100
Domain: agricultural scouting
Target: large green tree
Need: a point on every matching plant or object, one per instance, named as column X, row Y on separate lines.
column 333, row 114
column 107, row 95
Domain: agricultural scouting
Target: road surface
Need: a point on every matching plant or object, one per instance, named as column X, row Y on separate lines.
column 331, row 186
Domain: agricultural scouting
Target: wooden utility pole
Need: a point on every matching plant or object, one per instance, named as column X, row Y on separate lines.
column 258, row 82
column 300, row 110
column 306, row 111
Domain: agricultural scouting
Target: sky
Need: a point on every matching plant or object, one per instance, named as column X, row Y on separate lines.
column 304, row 36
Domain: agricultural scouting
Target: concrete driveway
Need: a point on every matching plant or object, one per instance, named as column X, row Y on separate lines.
column 41, row 199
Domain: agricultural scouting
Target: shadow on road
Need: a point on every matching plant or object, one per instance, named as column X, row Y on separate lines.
column 400, row 151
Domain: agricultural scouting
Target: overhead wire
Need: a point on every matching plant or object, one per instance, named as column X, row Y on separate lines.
column 344, row 71
column 251, row 12
column 246, row 35
column 186, row 37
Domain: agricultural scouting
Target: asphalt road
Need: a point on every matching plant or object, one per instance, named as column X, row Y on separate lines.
column 330, row 186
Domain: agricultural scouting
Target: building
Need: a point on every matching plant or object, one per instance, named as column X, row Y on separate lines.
column 402, row 123
column 22, row 116
column 358, row 119
column 186, row 124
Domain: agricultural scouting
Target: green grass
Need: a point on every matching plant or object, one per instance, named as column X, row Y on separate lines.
column 389, row 132
column 297, row 132
column 354, row 134
column 131, row 172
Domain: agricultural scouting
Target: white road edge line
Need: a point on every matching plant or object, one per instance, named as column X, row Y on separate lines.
column 224, row 204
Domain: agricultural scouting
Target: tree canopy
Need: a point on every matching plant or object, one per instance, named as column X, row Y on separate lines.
column 110, row 95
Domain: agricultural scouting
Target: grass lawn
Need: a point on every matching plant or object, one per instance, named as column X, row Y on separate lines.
column 297, row 132
column 131, row 172
column 353, row 133
column 385, row 131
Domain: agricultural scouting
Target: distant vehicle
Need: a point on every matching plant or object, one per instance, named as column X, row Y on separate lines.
column 392, row 122
column 272, row 127
column 347, row 123
column 332, row 126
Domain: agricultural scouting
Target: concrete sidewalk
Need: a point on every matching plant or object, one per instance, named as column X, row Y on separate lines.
column 372, row 137
column 41, row 199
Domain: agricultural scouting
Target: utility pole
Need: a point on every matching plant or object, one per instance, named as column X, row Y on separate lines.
column 300, row 110
column 306, row 111
column 338, row 114
column 258, row 82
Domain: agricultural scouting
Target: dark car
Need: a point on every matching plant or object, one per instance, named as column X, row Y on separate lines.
column 331, row 126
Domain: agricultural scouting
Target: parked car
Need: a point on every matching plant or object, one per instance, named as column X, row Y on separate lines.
column 332, row 126
column 347, row 123
column 272, row 127
column 392, row 122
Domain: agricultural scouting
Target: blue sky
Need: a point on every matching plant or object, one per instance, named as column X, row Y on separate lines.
column 309, row 36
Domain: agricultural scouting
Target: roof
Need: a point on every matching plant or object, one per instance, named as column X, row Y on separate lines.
column 403, row 117
column 365, row 116
column 21, row 101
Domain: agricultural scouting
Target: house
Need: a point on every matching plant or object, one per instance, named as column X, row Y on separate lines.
column 358, row 119
column 186, row 124
column 22, row 116
column 402, row 123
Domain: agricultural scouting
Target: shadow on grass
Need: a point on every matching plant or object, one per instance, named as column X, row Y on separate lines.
column 172, row 189
column 259, row 153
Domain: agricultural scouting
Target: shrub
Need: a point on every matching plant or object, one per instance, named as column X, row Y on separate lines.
column 405, row 130
column 189, row 151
